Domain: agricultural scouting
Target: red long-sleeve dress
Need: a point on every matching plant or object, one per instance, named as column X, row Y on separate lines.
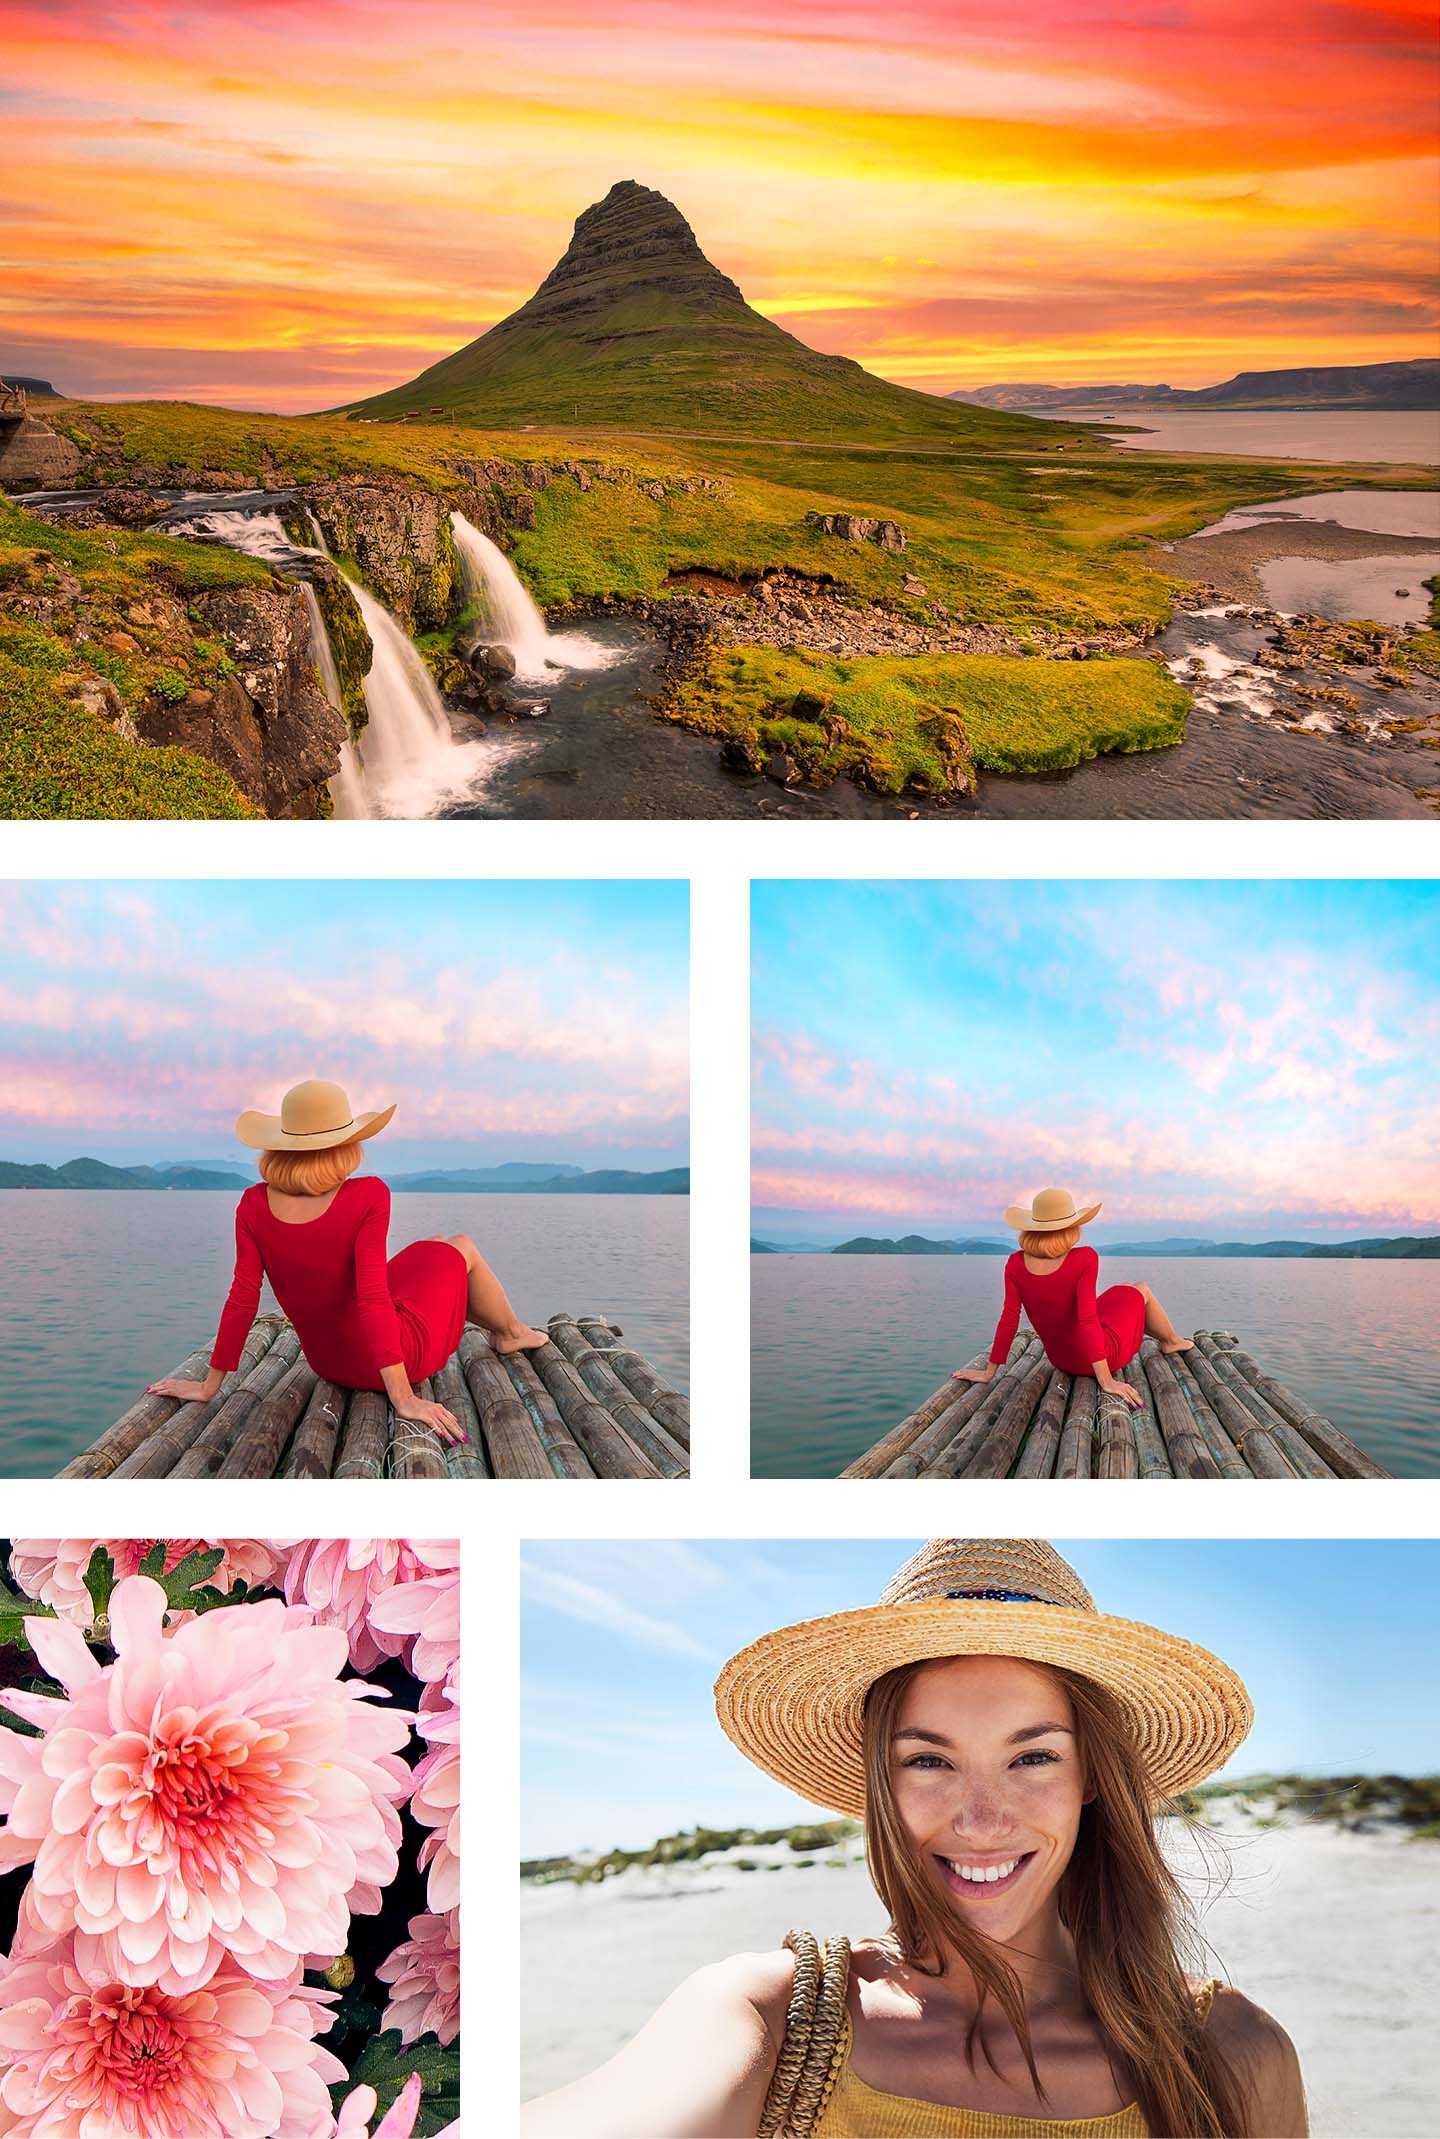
column 353, row 1311
column 1074, row 1326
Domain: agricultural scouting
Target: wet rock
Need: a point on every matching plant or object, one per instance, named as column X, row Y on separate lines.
column 399, row 535
column 741, row 754
column 535, row 709
column 782, row 768
column 270, row 725
column 496, row 661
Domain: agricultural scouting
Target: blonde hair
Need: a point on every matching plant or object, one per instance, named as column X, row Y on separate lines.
column 1051, row 1246
column 310, row 1173
column 1118, row 1898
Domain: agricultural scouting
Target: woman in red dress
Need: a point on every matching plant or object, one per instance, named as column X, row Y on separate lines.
column 1053, row 1279
column 319, row 1236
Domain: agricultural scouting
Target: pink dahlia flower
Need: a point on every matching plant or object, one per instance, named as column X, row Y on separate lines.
column 341, row 1579
column 52, row 1569
column 427, row 1607
column 397, row 2123
column 435, row 1802
column 424, row 1979
column 90, row 2060
column 215, row 1791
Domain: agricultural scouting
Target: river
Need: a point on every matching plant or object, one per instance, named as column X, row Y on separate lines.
column 844, row 1346
column 107, row 1289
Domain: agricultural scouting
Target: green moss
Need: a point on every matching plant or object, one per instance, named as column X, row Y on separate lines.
column 906, row 723
column 57, row 760
column 351, row 648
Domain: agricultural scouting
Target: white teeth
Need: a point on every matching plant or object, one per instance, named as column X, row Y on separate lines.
column 982, row 1874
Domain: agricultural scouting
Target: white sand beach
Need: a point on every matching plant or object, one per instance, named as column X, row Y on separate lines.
column 1336, row 1933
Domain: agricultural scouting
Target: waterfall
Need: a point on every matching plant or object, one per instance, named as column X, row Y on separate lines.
column 509, row 615
column 407, row 763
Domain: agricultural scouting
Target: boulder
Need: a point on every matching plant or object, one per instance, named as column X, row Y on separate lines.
column 98, row 695
column 496, row 661
column 782, row 768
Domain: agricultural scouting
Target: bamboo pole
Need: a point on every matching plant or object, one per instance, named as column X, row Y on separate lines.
column 995, row 1453
column 947, row 1446
column 1076, row 1456
column 666, row 1406
column 880, row 1461
column 1227, row 1457
column 232, row 1417
column 1262, row 1457
column 1117, row 1456
column 463, row 1459
column 312, row 1445
column 1292, row 1445
column 567, row 1458
column 365, row 1443
column 1189, row 1456
column 665, row 1453
column 607, row 1446
column 1345, row 1457
column 153, row 1456
column 417, row 1451
column 1151, row 1454
column 256, row 1452
column 1042, row 1443
column 512, row 1443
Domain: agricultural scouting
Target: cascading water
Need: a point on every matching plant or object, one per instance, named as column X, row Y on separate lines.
column 407, row 763
column 509, row 616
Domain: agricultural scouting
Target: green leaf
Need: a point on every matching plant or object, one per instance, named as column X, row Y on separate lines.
column 100, row 1580
column 14, row 1611
column 386, row 2066
column 153, row 1563
column 188, row 1576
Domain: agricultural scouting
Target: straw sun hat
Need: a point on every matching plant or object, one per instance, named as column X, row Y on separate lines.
column 313, row 1116
column 793, row 1701
column 1052, row 1210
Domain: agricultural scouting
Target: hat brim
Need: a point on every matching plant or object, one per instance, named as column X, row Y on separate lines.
column 1022, row 1222
column 263, row 1132
column 793, row 1702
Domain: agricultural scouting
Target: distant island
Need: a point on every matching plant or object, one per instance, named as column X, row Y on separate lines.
column 516, row 1177
column 1407, row 1248
column 1411, row 385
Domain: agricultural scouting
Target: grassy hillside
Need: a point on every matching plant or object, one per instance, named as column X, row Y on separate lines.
column 63, row 594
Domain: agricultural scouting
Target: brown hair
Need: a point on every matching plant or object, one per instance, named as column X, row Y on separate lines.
column 310, row 1173
column 1119, row 1900
column 1050, row 1245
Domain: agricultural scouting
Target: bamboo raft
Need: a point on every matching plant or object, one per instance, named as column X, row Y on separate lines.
column 1209, row 1413
column 584, row 1406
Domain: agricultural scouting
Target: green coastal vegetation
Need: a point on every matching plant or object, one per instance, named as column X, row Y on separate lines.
column 1354, row 1802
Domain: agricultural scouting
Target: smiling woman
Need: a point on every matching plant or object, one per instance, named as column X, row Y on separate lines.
column 1009, row 1749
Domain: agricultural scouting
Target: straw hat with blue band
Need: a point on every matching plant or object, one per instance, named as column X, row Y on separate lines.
column 794, row 1701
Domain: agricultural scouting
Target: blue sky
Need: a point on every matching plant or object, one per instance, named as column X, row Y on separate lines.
column 622, row 1641
column 544, row 1021
column 1232, row 1060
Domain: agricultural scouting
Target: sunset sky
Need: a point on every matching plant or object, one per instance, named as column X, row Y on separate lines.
column 536, row 1021
column 1233, row 1061
column 289, row 203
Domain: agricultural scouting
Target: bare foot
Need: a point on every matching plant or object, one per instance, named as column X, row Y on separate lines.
column 1178, row 1344
column 519, row 1339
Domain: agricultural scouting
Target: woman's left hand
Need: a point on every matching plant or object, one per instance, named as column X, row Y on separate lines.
column 187, row 1392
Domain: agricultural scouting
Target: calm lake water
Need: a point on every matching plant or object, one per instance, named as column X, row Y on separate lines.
column 105, row 1290
column 1274, row 434
column 844, row 1346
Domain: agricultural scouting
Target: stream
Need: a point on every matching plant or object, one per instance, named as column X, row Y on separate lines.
column 574, row 735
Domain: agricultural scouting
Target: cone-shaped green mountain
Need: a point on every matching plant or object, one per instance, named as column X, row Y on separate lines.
column 634, row 328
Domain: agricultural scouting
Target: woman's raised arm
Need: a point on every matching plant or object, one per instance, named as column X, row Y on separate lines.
column 699, row 2069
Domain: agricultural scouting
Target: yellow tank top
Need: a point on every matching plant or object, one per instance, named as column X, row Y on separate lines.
column 856, row 2111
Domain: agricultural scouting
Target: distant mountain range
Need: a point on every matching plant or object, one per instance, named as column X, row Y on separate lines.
column 1414, row 384
column 37, row 389
column 1409, row 1247
column 634, row 327
column 516, row 1177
